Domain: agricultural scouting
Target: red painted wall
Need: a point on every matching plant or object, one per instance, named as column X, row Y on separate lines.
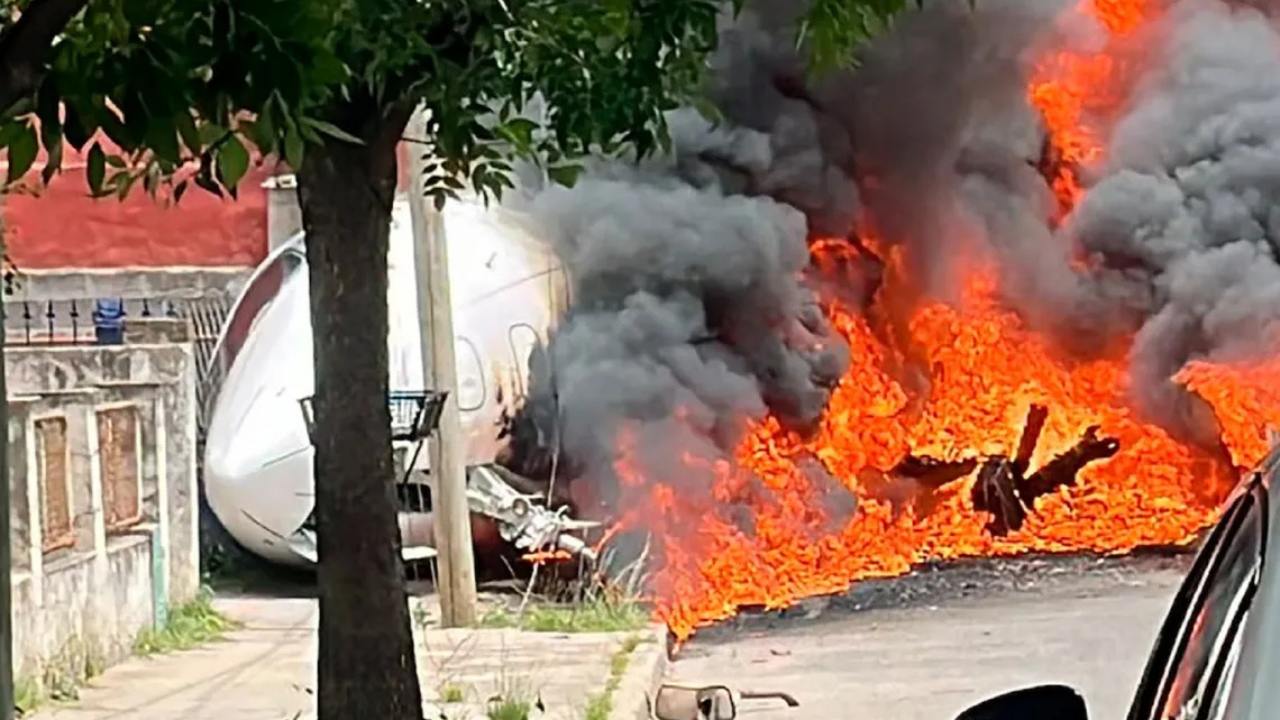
column 64, row 227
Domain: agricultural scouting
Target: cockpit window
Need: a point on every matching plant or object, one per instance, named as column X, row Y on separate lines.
column 262, row 289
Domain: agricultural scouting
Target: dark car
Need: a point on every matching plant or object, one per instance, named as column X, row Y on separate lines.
column 1217, row 656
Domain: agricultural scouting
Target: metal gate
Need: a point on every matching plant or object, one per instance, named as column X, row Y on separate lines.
column 207, row 316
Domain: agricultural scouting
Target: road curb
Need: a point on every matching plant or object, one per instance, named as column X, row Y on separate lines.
column 645, row 671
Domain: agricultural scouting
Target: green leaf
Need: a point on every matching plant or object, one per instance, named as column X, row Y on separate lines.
column 10, row 132
column 519, row 132
column 707, row 110
column 53, row 162
column 186, row 125
column 566, row 175
column 48, row 103
column 97, row 169
column 125, row 185
column 22, row 152
column 116, row 131
column 51, row 139
column 162, row 138
column 75, row 129
column 332, row 130
column 327, row 69
column 264, row 131
column 293, row 149
column 210, row 133
column 233, row 161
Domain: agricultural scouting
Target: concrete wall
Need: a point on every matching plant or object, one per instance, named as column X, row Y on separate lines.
column 82, row 597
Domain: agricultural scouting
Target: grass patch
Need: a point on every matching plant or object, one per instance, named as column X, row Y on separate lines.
column 509, row 709
column 600, row 615
column 193, row 624
column 452, row 693
column 26, row 696
column 600, row 705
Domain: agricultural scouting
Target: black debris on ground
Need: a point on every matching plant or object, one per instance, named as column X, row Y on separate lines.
column 961, row 581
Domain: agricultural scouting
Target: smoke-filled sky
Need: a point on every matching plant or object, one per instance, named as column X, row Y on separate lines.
column 687, row 270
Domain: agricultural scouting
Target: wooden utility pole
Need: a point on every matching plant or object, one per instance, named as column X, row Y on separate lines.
column 452, row 518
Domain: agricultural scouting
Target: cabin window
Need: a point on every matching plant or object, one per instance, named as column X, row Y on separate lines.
column 523, row 339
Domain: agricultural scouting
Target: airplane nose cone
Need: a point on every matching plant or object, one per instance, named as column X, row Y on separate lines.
column 258, row 456
column 257, row 470
column 268, row 429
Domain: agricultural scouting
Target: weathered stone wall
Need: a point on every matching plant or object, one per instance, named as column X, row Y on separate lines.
column 105, row 519
column 130, row 283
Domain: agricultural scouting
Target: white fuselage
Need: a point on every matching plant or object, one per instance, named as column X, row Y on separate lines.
column 507, row 290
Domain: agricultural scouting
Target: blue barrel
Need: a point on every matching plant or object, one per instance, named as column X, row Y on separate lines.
column 108, row 321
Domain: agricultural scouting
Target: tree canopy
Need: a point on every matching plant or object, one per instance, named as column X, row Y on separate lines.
column 180, row 86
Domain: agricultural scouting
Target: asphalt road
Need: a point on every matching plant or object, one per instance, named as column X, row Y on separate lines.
column 927, row 646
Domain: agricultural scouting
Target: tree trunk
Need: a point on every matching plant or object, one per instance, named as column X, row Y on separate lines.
column 25, row 46
column 366, row 666
column 7, row 700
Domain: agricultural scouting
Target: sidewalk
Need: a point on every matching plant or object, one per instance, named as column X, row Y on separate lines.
column 266, row 671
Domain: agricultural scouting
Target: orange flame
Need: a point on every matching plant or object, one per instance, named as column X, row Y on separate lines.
column 1078, row 94
column 778, row 524
column 988, row 371
column 543, row 557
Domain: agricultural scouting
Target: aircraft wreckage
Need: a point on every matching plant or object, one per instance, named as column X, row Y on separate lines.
column 507, row 288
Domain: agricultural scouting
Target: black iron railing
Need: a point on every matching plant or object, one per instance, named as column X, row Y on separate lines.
column 77, row 321
column 414, row 414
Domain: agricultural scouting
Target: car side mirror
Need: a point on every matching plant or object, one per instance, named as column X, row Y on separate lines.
column 1042, row 702
column 686, row 702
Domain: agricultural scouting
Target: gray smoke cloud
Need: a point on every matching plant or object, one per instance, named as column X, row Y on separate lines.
column 687, row 270
column 689, row 319
column 1188, row 199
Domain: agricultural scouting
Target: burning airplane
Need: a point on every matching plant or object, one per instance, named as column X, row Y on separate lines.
column 1008, row 286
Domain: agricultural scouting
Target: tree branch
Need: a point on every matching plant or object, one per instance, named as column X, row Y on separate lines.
column 25, row 45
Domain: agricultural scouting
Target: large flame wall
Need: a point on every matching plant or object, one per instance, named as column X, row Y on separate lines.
column 778, row 527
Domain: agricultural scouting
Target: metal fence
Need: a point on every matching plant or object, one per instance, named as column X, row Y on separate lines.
column 70, row 322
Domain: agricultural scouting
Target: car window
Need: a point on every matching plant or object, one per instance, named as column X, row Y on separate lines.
column 1216, row 618
column 1218, row 705
column 1173, row 628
